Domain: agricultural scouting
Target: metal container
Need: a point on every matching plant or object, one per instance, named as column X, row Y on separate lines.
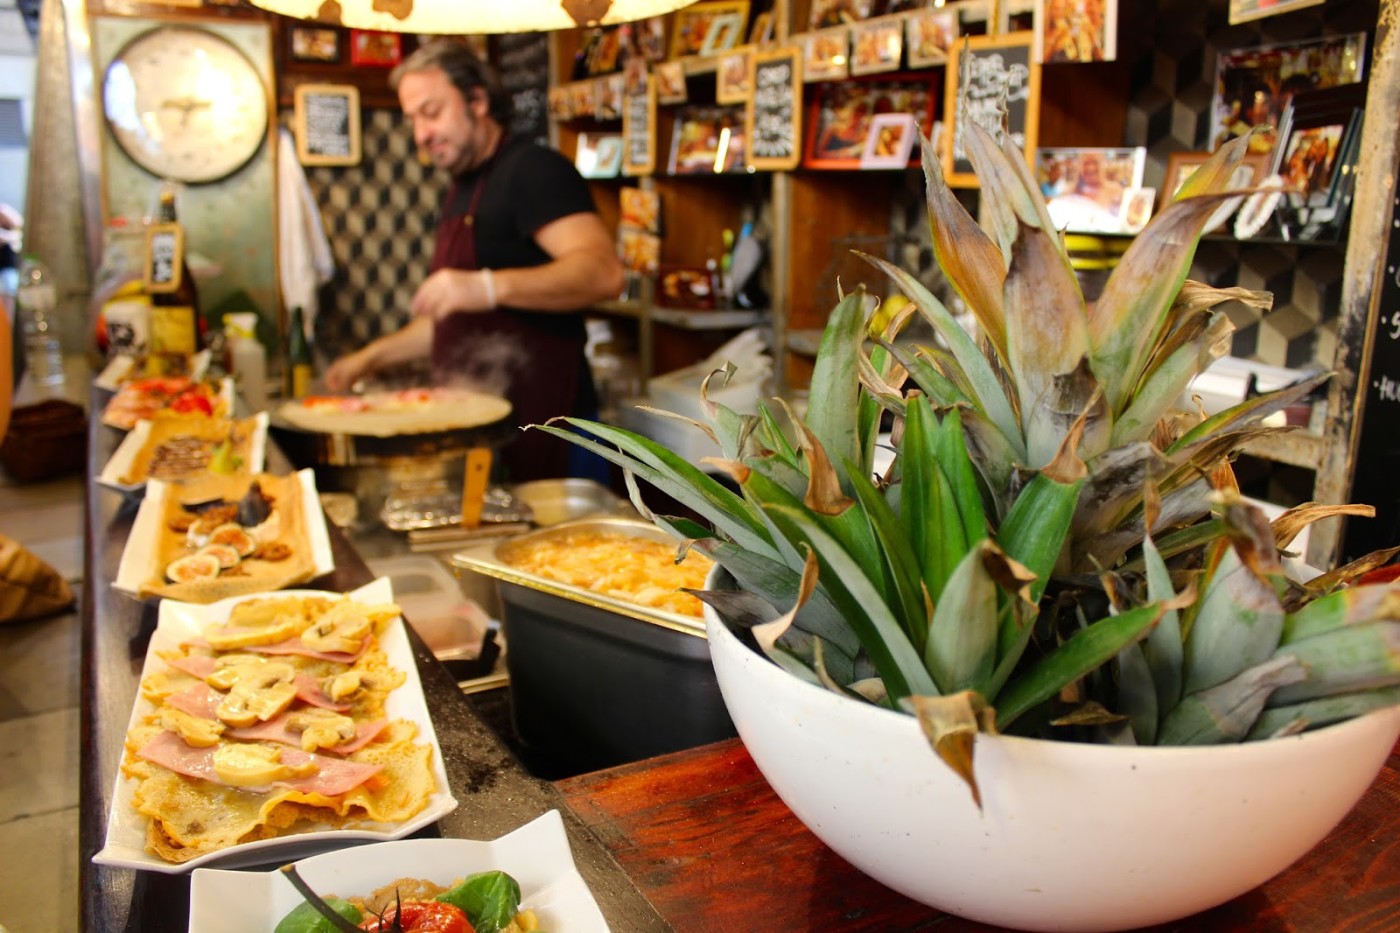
column 596, row 681
column 553, row 501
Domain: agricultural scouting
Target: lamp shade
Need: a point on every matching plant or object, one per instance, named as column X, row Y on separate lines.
column 469, row 17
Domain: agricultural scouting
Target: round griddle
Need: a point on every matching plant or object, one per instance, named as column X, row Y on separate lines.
column 306, row 447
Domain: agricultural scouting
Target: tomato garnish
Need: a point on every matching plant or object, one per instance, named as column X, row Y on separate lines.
column 192, row 402
column 421, row 917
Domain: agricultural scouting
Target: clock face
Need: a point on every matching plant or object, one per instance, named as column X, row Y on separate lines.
column 185, row 104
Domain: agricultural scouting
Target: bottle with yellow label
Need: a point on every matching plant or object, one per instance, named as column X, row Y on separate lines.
column 174, row 321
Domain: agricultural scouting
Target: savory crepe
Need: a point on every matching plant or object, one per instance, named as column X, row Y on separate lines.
column 275, row 721
column 245, row 534
column 389, row 414
column 180, row 448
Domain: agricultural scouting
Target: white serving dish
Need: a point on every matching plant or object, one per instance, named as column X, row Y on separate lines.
column 125, row 454
column 177, row 622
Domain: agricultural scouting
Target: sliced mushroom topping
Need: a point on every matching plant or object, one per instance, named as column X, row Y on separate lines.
column 231, row 637
column 196, row 731
column 255, row 765
column 321, row 728
column 342, row 628
column 229, row 669
column 260, row 694
column 345, row 685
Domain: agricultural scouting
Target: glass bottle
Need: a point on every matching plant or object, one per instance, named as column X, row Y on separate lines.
column 299, row 370
column 37, row 298
column 174, row 313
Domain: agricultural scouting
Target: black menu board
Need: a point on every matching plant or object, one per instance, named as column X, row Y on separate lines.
column 522, row 61
column 326, row 122
column 1376, row 480
column 987, row 72
column 773, row 117
column 639, row 131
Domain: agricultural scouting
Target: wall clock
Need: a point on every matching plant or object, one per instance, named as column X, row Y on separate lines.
column 186, row 104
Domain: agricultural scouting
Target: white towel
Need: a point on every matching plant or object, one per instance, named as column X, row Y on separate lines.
column 304, row 253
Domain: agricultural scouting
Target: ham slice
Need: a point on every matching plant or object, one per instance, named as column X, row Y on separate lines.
column 196, row 665
column 200, row 700
column 309, row 691
column 332, row 778
column 276, row 730
column 294, row 646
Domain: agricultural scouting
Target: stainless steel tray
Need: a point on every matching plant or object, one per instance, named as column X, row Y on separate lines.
column 484, row 559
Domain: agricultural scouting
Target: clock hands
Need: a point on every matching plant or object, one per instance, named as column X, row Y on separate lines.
column 186, row 105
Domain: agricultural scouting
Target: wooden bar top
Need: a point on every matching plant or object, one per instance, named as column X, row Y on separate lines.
column 709, row 843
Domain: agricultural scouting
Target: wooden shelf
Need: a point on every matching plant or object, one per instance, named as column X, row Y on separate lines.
column 707, row 320
column 1295, row 448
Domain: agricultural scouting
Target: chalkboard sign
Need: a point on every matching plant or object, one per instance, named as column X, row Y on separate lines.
column 522, row 61
column 165, row 258
column 1377, row 456
column 773, row 116
column 639, row 131
column 326, row 122
column 987, row 72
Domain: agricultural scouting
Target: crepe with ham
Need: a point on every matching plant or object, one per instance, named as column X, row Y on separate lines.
column 243, row 746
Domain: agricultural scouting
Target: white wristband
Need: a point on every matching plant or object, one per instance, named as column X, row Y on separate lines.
column 489, row 284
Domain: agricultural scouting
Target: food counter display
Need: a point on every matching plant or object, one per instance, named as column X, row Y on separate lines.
column 693, row 840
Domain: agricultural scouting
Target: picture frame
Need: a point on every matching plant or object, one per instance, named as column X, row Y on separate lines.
column 639, row 132
column 1250, row 174
column 691, row 25
column 889, row 141
column 560, row 104
column 929, row 34
column 373, row 49
column 1243, row 11
column 582, row 98
column 877, row 46
column 670, row 83
column 773, row 112
column 732, row 78
column 841, row 113
column 1005, row 66
column 1253, row 86
column 608, row 94
column 641, row 209
column 826, row 55
column 599, row 155
column 707, row 140
column 1085, row 188
column 726, row 29
column 326, row 124
column 1309, row 159
column 650, row 37
column 639, row 250
column 314, row 45
column 761, row 32
column 1136, row 209
column 826, row 13
column 1076, row 31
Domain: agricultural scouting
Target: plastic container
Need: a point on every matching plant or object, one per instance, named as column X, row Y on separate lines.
column 38, row 302
column 247, row 358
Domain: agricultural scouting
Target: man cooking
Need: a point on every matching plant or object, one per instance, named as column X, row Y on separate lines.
column 519, row 252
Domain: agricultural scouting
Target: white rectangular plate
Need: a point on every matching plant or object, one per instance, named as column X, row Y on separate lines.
column 177, row 622
column 125, row 454
column 135, row 567
column 536, row 855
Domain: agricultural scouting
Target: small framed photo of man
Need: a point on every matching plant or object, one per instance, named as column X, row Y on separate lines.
column 878, row 46
column 930, row 33
column 314, row 44
column 1084, row 189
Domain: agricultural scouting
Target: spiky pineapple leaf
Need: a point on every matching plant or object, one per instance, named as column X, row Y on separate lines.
column 832, row 405
column 1236, row 625
column 1344, row 660
column 1314, row 714
column 961, row 651
column 901, row 564
column 1226, row 711
column 928, row 505
column 951, row 725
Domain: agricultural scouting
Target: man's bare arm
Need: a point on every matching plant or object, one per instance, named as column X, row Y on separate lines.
column 413, row 341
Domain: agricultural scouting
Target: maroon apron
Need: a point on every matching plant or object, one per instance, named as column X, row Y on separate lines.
column 527, row 357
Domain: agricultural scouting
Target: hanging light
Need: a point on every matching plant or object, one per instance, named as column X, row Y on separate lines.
column 469, row 17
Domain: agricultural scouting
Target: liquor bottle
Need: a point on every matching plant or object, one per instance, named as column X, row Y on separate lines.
column 174, row 312
column 298, row 371
column 37, row 298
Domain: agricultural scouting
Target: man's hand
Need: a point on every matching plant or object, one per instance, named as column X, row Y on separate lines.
column 346, row 371
column 450, row 290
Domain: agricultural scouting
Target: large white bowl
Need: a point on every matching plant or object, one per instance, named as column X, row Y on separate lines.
column 1070, row 837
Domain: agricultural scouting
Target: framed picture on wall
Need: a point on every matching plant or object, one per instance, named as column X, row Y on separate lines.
column 1076, row 30
column 1085, row 188
column 314, row 44
column 732, row 79
column 826, row 55
column 842, row 112
column 889, row 141
column 1002, row 69
column 691, row 27
column 824, row 13
column 372, row 49
column 724, row 33
column 876, row 46
column 1249, row 174
column 670, row 83
column 707, row 140
column 929, row 35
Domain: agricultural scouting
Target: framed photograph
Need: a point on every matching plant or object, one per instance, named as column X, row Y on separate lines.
column 1002, row 68
column 889, row 141
column 724, row 33
column 639, row 132
column 878, row 46
column 641, row 210
column 826, row 55
column 670, row 82
column 1242, row 11
column 582, row 98
column 762, row 29
column 560, row 103
column 636, row 76
column 1249, row 174
column 604, row 46
column 1310, row 158
column 314, row 44
column 650, row 37
column 826, row 13
column 732, row 79
column 607, row 96
column 691, row 25
column 707, row 140
column 375, row 49
column 1076, row 30
column 930, row 33
column 1136, row 209
column 842, row 112
column 640, row 251
column 1253, row 86
column 1085, row 188
column 326, row 124
column 599, row 155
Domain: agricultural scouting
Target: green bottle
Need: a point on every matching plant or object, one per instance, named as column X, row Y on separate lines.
column 299, row 370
